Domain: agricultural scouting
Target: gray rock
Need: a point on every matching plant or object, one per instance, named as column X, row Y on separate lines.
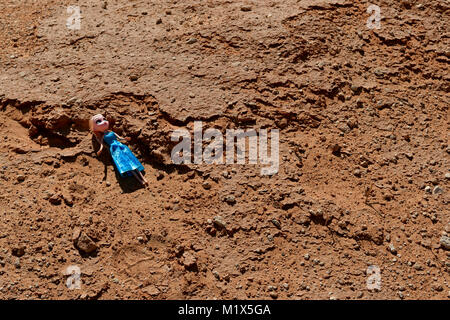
column 438, row 190
column 189, row 261
column 276, row 223
column 392, row 249
column 218, row 221
column 230, row 199
column 445, row 242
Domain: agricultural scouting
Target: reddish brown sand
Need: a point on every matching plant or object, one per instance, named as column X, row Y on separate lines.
column 364, row 149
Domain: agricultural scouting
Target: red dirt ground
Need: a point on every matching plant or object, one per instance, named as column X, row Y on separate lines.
column 364, row 150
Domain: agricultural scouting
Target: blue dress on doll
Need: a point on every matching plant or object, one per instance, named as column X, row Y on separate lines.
column 123, row 158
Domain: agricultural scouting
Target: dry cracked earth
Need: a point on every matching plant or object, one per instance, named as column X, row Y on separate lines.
column 364, row 152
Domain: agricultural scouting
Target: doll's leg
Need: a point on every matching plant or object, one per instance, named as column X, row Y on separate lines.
column 137, row 177
column 142, row 177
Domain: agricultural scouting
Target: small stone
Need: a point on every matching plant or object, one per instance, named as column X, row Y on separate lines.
column 151, row 290
column 445, row 242
column 306, row 256
column 18, row 251
column 276, row 223
column 428, row 189
column 418, row 267
column 392, row 249
column 189, row 261
column 206, row 185
column 134, row 77
column 104, row 5
column 274, row 295
column 191, row 41
column 218, row 221
column 85, row 243
column 438, row 190
column 336, row 149
column 447, row 176
column 20, row 178
column 76, row 234
column 343, row 127
column 357, row 173
column 246, row 8
column 159, row 21
column 355, row 88
column 55, row 199
column 17, row 263
column 230, row 199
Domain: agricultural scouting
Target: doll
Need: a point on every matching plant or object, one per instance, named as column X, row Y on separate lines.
column 124, row 160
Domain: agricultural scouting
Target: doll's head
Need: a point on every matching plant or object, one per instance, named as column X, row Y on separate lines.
column 98, row 123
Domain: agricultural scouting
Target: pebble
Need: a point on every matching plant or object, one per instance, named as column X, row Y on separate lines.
column 438, row 190
column 276, row 223
column 151, row 290
column 392, row 249
column 84, row 243
column 246, row 8
column 418, row 267
column 428, row 189
column 445, row 242
column 18, row 251
column 230, row 199
column 191, row 41
column 55, row 199
column 218, row 221
column 447, row 176
column 189, row 261
column 274, row 295
column 159, row 21
column 20, row 178
column 17, row 263
column 306, row 256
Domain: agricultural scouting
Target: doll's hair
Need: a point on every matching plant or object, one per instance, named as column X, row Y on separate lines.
column 91, row 124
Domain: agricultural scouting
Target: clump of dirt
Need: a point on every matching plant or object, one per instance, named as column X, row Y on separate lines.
column 363, row 122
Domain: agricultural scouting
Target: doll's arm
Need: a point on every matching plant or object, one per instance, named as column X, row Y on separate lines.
column 121, row 138
column 100, row 141
column 100, row 150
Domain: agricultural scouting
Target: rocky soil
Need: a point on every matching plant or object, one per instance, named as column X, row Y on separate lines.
column 364, row 150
